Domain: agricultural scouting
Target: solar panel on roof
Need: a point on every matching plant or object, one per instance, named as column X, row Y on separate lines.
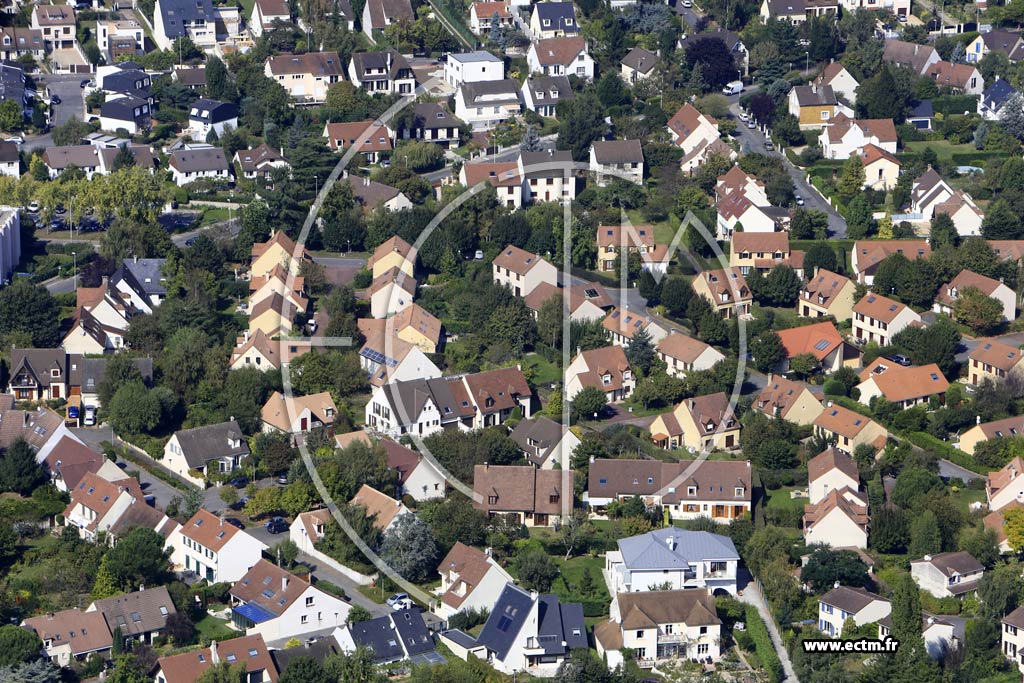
column 822, row 345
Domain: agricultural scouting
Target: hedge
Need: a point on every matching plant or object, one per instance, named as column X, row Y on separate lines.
column 945, row 450
column 334, row 589
column 955, row 104
column 763, row 645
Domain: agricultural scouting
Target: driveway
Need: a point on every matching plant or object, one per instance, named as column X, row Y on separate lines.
column 950, row 470
column 66, row 86
column 754, row 139
column 752, row 596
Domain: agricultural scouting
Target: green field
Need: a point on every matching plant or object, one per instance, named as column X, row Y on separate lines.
column 779, row 499
column 212, row 628
column 944, row 149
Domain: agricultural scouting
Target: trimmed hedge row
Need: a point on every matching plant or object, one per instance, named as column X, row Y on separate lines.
column 763, row 645
column 929, row 442
column 334, row 589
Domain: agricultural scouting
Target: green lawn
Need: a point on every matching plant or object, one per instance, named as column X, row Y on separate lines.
column 213, row 215
column 212, row 628
column 965, row 496
column 780, row 499
column 544, row 371
column 664, row 232
column 944, row 149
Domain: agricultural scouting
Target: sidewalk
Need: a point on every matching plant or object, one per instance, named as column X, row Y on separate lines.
column 752, row 596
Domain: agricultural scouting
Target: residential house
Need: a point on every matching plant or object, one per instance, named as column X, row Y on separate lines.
column 139, row 616
column 418, row 477
column 918, row 58
column 921, row 115
column 97, row 504
column 260, row 162
column 622, row 326
column 399, row 636
column 196, row 453
column 993, row 360
column 130, row 114
column 656, row 627
column 877, row 318
column 214, row 550
column 1007, row 43
column 697, row 135
column 485, row 17
column 430, row 122
column 726, row 290
column 733, row 41
column 493, row 395
column 373, row 196
column 685, row 489
column 841, row 81
column 823, row 342
column 813, row 105
column 309, row 528
column 305, row 77
column 278, row 605
column 266, row 14
column 486, row 104
column 637, row 65
column 947, row 575
column 996, row 522
column 142, row 281
column 1013, row 637
column 983, row 431
column 92, row 160
column 391, row 293
column 57, row 25
column 531, row 633
column 190, row 165
column 995, row 97
column 502, row 175
column 827, row 294
column 762, row 251
column 848, row 136
column 470, row 580
column 701, row 423
column 682, row 354
column 790, row 11
column 71, row 635
column 417, row 406
column 38, row 374
column 258, row 350
column 70, row 461
column 279, row 250
column 205, row 115
column 249, row 651
column 605, row 368
column 881, row 168
column 386, row 357
column 10, row 161
column 393, row 253
column 297, row 414
column 41, row 428
column 964, row 79
column 100, row 321
column 173, row 19
column 867, row 254
column 789, row 400
column 274, row 316
column 675, row 557
column 543, row 94
column 738, row 180
column 386, row 72
column 521, row 271
column 847, row 430
column 945, row 300
column 1005, row 486
column 839, row 519
column 565, row 56
column 472, row 67
column 552, row 20
column 617, row 159
column 371, row 140
column 547, row 176
column 545, row 443
column 939, row 634
column 417, row 327
column 612, row 240
column 379, row 14
column 10, row 240
column 588, row 301
column 736, row 211
column 931, row 195
column 832, row 470
column 536, row 497
column 17, row 41
column 843, row 602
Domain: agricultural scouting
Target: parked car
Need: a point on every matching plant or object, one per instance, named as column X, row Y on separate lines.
column 55, row 99
column 16, row 139
column 90, row 416
column 234, row 522
column 768, row 145
column 276, row 525
column 751, row 123
column 400, row 601
column 83, row 84
column 900, row 359
column 798, row 199
column 733, row 88
column 311, row 326
column 73, row 412
column 282, row 481
column 33, row 207
column 239, row 482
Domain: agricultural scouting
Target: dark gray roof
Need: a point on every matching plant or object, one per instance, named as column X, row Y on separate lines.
column 787, row 8
column 814, row 95
column 433, row 115
column 176, row 12
column 561, row 627
column 137, row 613
column 536, row 437
column 37, row 363
column 200, row 445
column 640, row 60
column 996, row 94
column 618, row 151
column 8, row 151
column 12, row 83
column 319, row 650
column 88, row 372
column 529, row 159
column 921, row 110
column 495, row 92
column 128, row 81
column 548, row 86
column 123, row 109
column 674, row 548
column 557, row 13
column 954, row 563
column 149, row 273
column 389, row 60
column 850, row 600
column 199, row 159
column 408, row 398
column 507, row 618
column 460, row 638
column 394, row 636
column 416, row 639
column 212, row 111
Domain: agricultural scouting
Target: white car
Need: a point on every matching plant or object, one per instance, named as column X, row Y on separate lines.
column 400, row 601
column 90, row 416
column 16, row 139
column 687, row 3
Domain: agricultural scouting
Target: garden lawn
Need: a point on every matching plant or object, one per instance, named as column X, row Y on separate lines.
column 944, row 149
column 212, row 628
column 544, row 371
column 965, row 496
column 779, row 499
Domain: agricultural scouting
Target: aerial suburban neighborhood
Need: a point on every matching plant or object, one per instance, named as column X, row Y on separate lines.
column 596, row 341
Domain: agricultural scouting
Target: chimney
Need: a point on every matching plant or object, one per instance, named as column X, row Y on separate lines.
column 214, row 655
column 246, row 335
column 135, row 259
column 24, row 422
column 284, row 583
column 927, row 558
column 671, row 543
column 488, row 552
column 835, row 585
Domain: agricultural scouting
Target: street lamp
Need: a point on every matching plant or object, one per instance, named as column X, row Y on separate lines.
column 74, row 268
column 807, row 65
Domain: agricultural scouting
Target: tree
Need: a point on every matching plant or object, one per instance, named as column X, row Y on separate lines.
column 138, row 558
column 648, row 287
column 304, row 669
column 1012, row 115
column 134, row 409
column 285, row 553
column 906, row 609
column 1001, row 223
column 943, row 231
column 124, row 158
column 851, row 181
column 128, row 669
column 180, row 629
column 912, row 484
column 781, row 287
column 531, row 140
column 878, row 97
column 357, row 614
column 223, row 672
column 675, row 295
column 890, row 530
column 827, row 566
column 31, row 310
column 640, row 352
column 19, row 471
column 981, row 313
column 1014, row 527
column 589, row 402
column 819, row 255
column 581, row 121
column 18, row 645
column 40, row 671
column 575, row 532
column 716, row 61
column 767, row 350
column 925, row 536
column 120, row 370
column 535, row 569
column 409, row 548
column 105, row 585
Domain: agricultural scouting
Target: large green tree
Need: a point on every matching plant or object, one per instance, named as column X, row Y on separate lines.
column 581, row 121
column 139, row 558
column 19, row 471
column 30, row 310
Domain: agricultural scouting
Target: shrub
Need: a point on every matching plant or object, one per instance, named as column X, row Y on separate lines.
column 763, row 645
column 334, row 589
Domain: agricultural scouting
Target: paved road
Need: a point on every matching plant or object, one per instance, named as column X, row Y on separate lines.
column 754, row 139
column 340, row 261
column 950, row 470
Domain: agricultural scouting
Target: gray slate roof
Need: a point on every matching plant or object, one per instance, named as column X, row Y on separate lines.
column 557, row 13
column 546, row 85
column 545, row 434
column 507, row 618
column 408, row 398
column 176, row 12
column 652, row 551
column 200, row 445
column 148, row 272
column 88, row 372
column 393, row 636
column 137, row 613
column 490, row 92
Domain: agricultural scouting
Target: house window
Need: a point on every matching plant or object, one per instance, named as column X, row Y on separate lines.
column 492, row 500
column 639, row 634
column 824, row 116
column 309, row 601
column 691, row 490
column 305, row 619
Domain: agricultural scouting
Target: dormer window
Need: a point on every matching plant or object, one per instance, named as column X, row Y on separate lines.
column 546, row 22
column 738, row 491
column 691, row 490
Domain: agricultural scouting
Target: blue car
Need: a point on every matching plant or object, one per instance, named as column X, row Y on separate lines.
column 276, row 525
column 73, row 412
